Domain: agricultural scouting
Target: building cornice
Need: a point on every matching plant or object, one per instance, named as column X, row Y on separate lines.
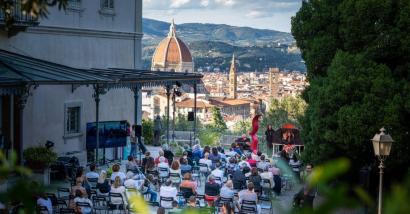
column 53, row 30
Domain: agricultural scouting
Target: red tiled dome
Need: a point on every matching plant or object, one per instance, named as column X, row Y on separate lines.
column 171, row 50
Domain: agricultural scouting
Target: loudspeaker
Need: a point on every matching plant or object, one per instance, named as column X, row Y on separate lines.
column 191, row 116
column 138, row 130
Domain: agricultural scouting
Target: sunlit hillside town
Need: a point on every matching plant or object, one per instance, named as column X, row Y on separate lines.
column 239, row 94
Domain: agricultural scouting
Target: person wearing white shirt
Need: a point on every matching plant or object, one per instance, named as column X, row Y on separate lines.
column 206, row 161
column 130, row 183
column 117, row 188
column 116, row 172
column 266, row 175
column 163, row 165
column 92, row 174
column 45, row 202
column 262, row 164
column 218, row 173
column 168, row 191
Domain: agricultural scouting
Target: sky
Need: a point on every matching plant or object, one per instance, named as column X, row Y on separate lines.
column 263, row 14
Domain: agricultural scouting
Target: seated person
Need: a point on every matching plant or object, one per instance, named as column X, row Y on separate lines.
column 188, row 158
column 168, row 191
column 131, row 164
column 160, row 154
column 191, row 202
column 244, row 142
column 79, row 197
column 196, row 153
column 239, row 179
column 211, row 190
column 175, row 208
column 244, row 161
column 251, row 161
column 148, row 187
column 249, row 195
column 116, row 172
column 45, row 201
column 130, row 183
column 262, row 163
column 103, row 186
column 163, row 165
column 217, row 172
column 92, row 173
column 188, row 183
column 275, row 170
column 227, row 190
column 149, row 165
column 175, row 169
column 117, row 187
column 185, row 167
column 78, row 186
column 145, row 159
column 206, row 161
column 231, row 152
column 256, row 179
column 214, row 156
column 268, row 176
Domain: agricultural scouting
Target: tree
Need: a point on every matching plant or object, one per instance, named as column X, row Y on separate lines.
column 35, row 8
column 287, row 110
column 242, row 127
column 357, row 54
column 218, row 122
column 148, row 131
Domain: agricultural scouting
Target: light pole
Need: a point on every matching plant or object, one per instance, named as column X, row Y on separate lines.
column 382, row 145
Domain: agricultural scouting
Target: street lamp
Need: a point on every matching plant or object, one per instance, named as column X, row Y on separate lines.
column 382, row 145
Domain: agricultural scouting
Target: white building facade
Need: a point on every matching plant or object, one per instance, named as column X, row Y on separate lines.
column 89, row 34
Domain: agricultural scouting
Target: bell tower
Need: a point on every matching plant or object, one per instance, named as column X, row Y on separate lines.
column 233, row 79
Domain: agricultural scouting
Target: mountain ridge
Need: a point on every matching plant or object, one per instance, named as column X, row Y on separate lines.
column 212, row 45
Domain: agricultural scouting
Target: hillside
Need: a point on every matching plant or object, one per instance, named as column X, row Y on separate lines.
column 212, row 45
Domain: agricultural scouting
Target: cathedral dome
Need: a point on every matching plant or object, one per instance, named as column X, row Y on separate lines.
column 172, row 54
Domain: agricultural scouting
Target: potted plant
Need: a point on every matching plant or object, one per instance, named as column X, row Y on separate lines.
column 39, row 158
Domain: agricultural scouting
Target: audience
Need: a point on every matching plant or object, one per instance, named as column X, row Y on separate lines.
column 191, row 202
column 81, row 198
column 160, row 154
column 262, row 164
column 149, row 165
column 256, row 179
column 188, row 183
column 92, row 174
column 116, row 187
column 78, row 186
column 239, row 179
column 211, row 190
column 44, row 201
column 214, row 156
column 103, row 186
column 249, row 195
column 227, row 190
column 218, row 173
column 247, row 175
column 207, row 162
column 266, row 175
column 185, row 167
column 175, row 169
column 168, row 191
column 131, row 164
column 130, row 182
column 163, row 164
column 116, row 172
column 148, row 187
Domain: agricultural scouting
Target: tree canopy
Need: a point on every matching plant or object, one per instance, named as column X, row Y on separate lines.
column 357, row 54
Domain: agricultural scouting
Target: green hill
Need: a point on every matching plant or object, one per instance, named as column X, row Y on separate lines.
column 212, row 45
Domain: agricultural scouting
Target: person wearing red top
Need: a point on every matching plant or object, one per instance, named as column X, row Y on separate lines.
column 251, row 161
column 160, row 154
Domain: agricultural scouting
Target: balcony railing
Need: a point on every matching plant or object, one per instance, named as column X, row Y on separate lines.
column 15, row 20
